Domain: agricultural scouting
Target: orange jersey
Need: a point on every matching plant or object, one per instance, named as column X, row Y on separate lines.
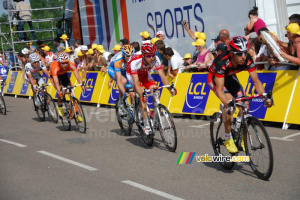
column 57, row 70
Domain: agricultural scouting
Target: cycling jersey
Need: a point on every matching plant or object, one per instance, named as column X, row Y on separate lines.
column 136, row 66
column 57, row 70
column 117, row 65
column 35, row 72
column 222, row 68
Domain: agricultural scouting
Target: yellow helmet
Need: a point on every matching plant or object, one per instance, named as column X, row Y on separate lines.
column 127, row 50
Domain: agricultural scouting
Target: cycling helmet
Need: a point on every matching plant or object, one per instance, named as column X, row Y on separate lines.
column 148, row 48
column 63, row 57
column 127, row 50
column 34, row 57
column 239, row 44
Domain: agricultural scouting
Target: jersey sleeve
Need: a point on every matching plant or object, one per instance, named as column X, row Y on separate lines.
column 72, row 67
column 250, row 64
column 220, row 69
column 42, row 66
column 54, row 69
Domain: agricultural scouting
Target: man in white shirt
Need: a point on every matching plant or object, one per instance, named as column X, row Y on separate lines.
column 50, row 57
column 174, row 62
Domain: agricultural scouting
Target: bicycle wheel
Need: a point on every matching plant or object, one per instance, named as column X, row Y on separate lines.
column 217, row 135
column 167, row 128
column 125, row 122
column 2, row 105
column 258, row 147
column 148, row 139
column 65, row 120
column 78, row 114
column 51, row 108
column 40, row 111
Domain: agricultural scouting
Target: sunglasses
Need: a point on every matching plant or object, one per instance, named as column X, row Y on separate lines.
column 239, row 53
column 36, row 62
column 150, row 56
column 127, row 56
column 65, row 63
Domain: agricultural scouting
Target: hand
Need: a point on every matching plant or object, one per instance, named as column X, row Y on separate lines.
column 83, row 88
column 109, row 83
column 283, row 54
column 173, row 91
column 268, row 102
column 103, row 69
column 230, row 107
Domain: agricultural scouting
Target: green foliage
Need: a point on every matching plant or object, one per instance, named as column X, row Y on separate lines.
column 38, row 14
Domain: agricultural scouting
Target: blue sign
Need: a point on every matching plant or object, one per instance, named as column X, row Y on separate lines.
column 12, row 82
column 159, row 83
column 24, row 87
column 114, row 94
column 69, row 75
column 45, row 77
column 3, row 72
column 91, row 79
column 256, row 105
column 197, row 94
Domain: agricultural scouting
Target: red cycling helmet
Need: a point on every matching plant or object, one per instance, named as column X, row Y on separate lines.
column 239, row 44
column 148, row 48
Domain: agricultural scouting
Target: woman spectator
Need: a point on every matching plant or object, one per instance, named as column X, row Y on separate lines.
column 293, row 34
column 205, row 57
column 255, row 23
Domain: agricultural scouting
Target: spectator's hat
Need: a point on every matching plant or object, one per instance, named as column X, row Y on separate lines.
column 80, row 54
column 64, row 37
column 199, row 42
column 221, row 47
column 68, row 50
column 200, row 35
column 100, row 48
column 117, row 47
column 29, row 43
column 187, row 56
column 145, row 34
column 94, row 46
column 25, row 51
column 83, row 48
column 293, row 28
column 216, row 39
column 153, row 40
column 90, row 52
column 46, row 48
column 160, row 33
column 124, row 41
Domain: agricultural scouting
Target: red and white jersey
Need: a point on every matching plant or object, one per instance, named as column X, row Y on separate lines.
column 50, row 58
column 136, row 66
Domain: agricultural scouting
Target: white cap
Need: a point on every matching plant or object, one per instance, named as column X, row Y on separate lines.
column 25, row 51
column 84, row 48
column 160, row 33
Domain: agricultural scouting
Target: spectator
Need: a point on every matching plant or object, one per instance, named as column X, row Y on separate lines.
column 145, row 35
column 84, row 49
column 188, row 61
column 221, row 48
column 59, row 46
column 255, row 23
column 153, row 40
column 161, row 36
column 106, row 55
column 96, row 54
column 137, row 49
column 70, row 52
column 293, row 34
column 174, row 62
column 204, row 58
column 88, row 63
column 65, row 39
column 11, row 60
column 1, row 59
column 32, row 48
column 78, row 44
column 49, row 56
column 101, row 60
column 40, row 44
column 80, row 62
column 224, row 36
column 117, row 48
column 25, row 16
column 160, row 48
column 124, row 41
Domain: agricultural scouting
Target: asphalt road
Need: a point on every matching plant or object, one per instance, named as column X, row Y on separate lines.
column 39, row 160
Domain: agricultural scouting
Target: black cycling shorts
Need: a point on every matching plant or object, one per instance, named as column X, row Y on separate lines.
column 232, row 86
column 64, row 80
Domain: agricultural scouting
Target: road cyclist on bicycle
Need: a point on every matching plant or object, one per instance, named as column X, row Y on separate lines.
column 117, row 71
column 32, row 74
column 138, row 74
column 58, row 72
column 223, row 81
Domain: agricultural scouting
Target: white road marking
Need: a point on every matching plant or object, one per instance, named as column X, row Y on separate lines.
column 200, row 126
column 286, row 138
column 68, row 161
column 14, row 143
column 96, row 113
column 148, row 189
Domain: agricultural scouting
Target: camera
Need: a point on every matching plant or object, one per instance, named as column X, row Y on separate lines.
column 181, row 23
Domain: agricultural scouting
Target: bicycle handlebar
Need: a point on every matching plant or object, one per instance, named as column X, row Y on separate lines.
column 71, row 86
column 246, row 98
column 44, row 85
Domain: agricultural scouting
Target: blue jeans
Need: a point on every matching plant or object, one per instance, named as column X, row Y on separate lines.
column 21, row 28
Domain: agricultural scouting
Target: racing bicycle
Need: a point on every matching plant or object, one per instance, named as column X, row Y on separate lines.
column 43, row 102
column 72, row 110
column 256, row 140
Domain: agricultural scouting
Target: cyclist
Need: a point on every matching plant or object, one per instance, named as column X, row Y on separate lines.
column 117, row 71
column 223, row 81
column 33, row 75
column 58, row 72
column 138, row 75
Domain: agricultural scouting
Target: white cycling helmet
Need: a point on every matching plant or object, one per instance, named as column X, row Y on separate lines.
column 63, row 57
column 34, row 57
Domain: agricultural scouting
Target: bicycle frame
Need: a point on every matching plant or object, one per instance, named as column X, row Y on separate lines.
column 70, row 92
